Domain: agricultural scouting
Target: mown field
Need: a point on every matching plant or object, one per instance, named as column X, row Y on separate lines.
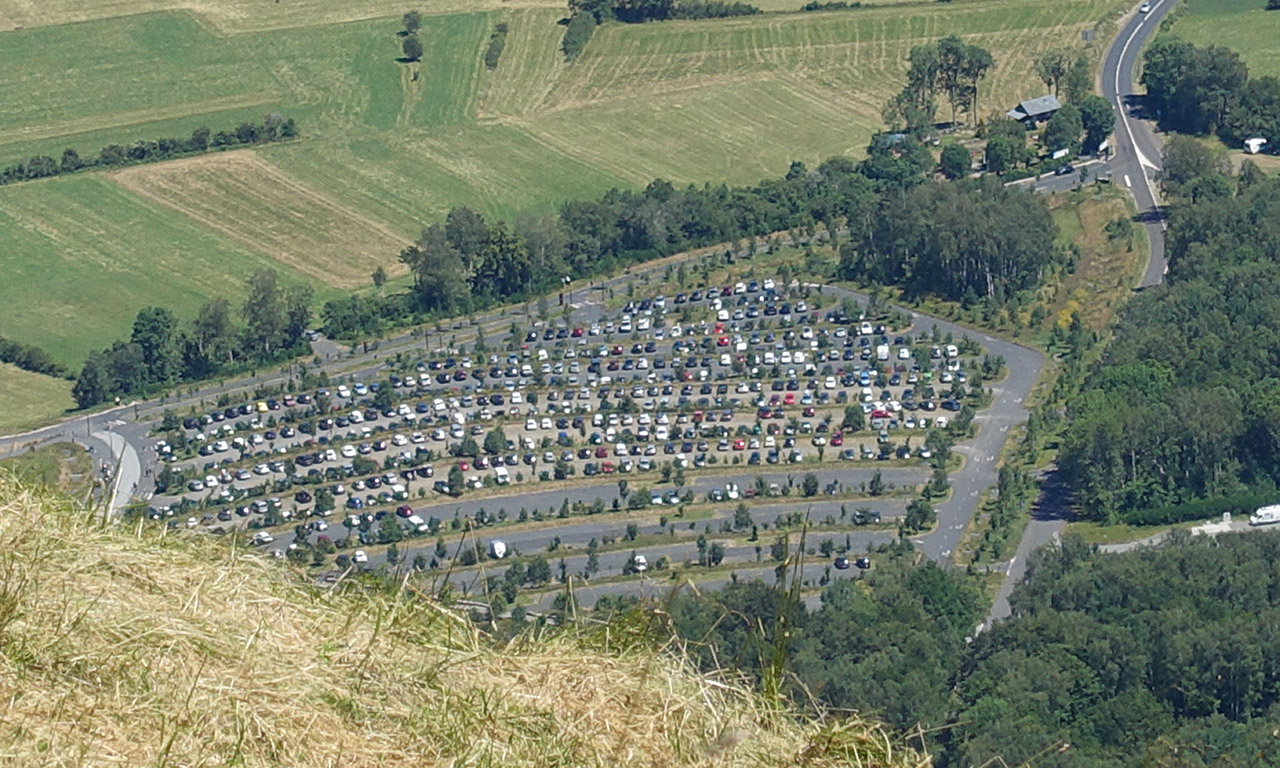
column 30, row 398
column 1241, row 25
column 82, row 256
column 389, row 146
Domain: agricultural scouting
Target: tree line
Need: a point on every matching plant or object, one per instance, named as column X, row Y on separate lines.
column 1209, row 91
column 274, row 127
column 640, row 11
column 949, row 238
column 161, row 351
column 31, row 358
column 1185, row 403
column 948, row 67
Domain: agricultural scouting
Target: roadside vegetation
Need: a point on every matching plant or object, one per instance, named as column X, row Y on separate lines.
column 1175, row 421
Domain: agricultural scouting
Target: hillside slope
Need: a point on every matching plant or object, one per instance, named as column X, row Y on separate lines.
column 131, row 648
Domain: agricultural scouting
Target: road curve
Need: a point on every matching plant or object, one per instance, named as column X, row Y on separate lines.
column 1137, row 148
column 1135, row 163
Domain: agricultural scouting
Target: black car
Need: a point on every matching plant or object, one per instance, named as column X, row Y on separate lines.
column 842, row 563
column 1063, row 170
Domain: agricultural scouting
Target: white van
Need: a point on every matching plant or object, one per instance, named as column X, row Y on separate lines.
column 1269, row 515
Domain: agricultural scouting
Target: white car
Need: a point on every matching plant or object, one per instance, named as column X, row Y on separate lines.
column 359, row 557
column 1144, row 8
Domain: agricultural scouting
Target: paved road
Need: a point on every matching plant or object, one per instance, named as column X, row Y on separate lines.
column 128, row 471
column 1137, row 147
column 1007, row 410
column 1135, row 163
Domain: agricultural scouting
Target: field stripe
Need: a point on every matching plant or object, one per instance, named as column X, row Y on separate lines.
column 246, row 198
column 136, row 117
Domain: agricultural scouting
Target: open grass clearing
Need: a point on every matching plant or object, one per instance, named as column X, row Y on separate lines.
column 1241, row 25
column 1107, row 269
column 143, row 69
column 245, row 198
column 1097, row 533
column 30, row 398
column 82, row 256
column 414, row 181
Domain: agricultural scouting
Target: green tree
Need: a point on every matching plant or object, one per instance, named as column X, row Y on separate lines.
column 495, row 442
column 1098, row 120
column 577, row 34
column 412, row 48
column 955, row 161
column 809, row 485
column 1079, row 82
column 264, row 314
column 1053, row 65
column 1000, row 154
column 155, row 331
column 1063, row 130
column 412, row 20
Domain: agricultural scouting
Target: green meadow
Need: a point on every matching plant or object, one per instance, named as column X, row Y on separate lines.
column 390, row 146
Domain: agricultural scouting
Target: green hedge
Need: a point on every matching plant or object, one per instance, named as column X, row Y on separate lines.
column 1201, row 509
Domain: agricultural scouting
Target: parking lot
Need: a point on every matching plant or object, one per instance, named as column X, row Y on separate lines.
column 668, row 394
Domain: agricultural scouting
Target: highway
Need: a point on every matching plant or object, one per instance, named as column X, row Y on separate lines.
column 1136, row 159
column 1135, row 163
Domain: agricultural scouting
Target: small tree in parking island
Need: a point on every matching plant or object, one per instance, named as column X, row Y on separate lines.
column 809, row 485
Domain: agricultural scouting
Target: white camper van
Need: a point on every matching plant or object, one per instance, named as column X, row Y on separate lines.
column 1266, row 515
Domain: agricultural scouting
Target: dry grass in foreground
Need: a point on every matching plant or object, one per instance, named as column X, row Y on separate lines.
column 133, row 648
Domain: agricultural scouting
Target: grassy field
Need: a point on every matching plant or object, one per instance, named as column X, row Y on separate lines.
column 242, row 196
column 82, row 256
column 1241, row 25
column 30, row 398
column 388, row 147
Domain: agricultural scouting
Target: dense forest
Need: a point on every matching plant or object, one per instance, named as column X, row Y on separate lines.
column 889, row 643
column 1208, row 90
column 1164, row 656
column 1185, row 403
